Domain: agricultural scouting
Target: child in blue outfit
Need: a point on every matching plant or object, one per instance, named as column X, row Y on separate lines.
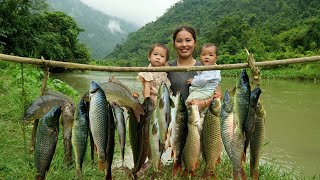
column 205, row 82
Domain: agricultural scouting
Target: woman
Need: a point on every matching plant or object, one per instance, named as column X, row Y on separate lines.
column 184, row 40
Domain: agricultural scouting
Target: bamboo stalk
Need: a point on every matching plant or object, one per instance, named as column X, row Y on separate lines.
column 78, row 66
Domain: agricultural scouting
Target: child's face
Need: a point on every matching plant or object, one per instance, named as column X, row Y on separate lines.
column 158, row 57
column 208, row 56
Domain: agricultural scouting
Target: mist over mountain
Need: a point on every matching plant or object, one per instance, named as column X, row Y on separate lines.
column 102, row 32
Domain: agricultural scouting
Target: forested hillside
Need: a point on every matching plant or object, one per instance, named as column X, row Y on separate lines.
column 101, row 32
column 28, row 29
column 269, row 29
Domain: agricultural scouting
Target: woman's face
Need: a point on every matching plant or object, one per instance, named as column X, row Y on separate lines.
column 184, row 44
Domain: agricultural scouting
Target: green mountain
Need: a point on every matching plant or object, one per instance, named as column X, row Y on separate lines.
column 101, row 31
column 270, row 29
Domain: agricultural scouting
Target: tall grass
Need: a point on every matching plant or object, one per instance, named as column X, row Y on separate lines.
column 16, row 162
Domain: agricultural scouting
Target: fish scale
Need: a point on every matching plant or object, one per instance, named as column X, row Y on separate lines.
column 98, row 116
column 257, row 140
column 46, row 141
column 234, row 115
column 211, row 137
column 191, row 151
column 178, row 132
column 80, row 135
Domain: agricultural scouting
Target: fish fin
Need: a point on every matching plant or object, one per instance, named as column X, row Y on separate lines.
column 244, row 156
column 176, row 167
column 108, row 176
column 193, row 174
column 209, row 175
column 243, row 174
column 254, row 173
column 235, row 175
column 102, row 165
column 197, row 165
column 218, row 161
column 39, row 177
column 79, row 173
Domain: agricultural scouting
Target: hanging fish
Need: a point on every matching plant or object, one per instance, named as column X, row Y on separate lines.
column 46, row 141
column 80, row 135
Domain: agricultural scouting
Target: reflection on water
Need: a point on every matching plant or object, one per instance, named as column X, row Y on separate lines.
column 292, row 121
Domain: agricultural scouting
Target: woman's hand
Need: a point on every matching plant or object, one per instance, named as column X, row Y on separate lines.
column 217, row 93
column 189, row 81
column 202, row 104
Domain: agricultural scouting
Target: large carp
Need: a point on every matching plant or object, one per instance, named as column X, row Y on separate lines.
column 211, row 138
column 191, row 150
column 257, row 140
column 118, row 93
column 46, row 141
column 40, row 106
column 234, row 113
column 80, row 135
column 99, row 116
column 178, row 132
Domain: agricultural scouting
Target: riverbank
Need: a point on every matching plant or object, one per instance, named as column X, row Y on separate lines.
column 17, row 163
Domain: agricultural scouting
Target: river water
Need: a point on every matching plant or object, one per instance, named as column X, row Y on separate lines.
column 292, row 121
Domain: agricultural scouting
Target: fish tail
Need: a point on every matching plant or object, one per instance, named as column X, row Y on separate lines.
column 40, row 177
column 176, row 167
column 243, row 174
column 79, row 174
column 254, row 173
column 108, row 176
column 102, row 165
column 235, row 175
column 207, row 174
column 244, row 156
column 218, row 161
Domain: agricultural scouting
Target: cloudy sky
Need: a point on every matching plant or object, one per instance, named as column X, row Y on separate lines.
column 139, row 12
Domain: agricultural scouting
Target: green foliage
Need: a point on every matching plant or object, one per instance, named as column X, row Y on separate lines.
column 101, row 32
column 28, row 30
column 269, row 29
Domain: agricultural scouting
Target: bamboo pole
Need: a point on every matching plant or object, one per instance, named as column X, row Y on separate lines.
column 78, row 66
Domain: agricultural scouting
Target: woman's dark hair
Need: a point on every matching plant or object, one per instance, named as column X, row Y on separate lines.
column 210, row 45
column 187, row 28
column 159, row 45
